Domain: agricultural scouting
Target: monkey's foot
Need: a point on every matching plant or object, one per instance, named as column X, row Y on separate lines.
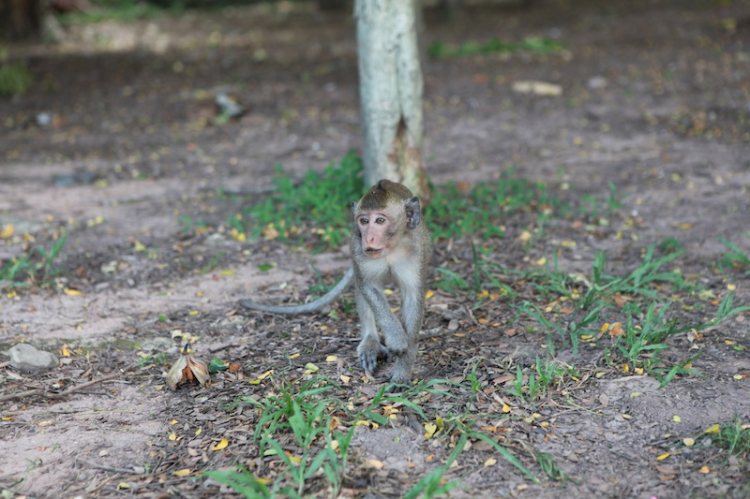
column 401, row 372
column 368, row 352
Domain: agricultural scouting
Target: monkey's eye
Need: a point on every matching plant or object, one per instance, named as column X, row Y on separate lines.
column 380, row 220
column 363, row 221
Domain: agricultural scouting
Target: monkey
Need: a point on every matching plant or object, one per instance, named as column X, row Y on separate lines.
column 389, row 242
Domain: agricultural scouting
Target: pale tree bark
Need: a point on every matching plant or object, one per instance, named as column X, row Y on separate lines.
column 390, row 82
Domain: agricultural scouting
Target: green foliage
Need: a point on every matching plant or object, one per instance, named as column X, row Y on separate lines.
column 550, row 467
column 33, row 267
column 480, row 211
column 544, row 375
column 431, row 484
column 294, row 426
column 735, row 260
column 308, row 417
column 15, row 79
column 733, row 437
column 320, row 199
column 640, row 281
column 121, row 10
column 441, row 50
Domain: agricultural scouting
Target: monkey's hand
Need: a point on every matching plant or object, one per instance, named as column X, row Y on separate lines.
column 368, row 351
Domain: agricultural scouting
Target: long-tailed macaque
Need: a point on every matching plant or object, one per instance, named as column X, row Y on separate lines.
column 389, row 242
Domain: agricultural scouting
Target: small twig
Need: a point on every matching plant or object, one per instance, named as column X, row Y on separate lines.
column 76, row 388
column 72, row 389
column 219, row 348
column 106, row 468
column 27, row 393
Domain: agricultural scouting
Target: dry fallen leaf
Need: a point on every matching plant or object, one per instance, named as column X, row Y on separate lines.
column 221, row 445
column 186, row 369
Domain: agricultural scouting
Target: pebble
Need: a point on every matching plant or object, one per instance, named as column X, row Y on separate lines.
column 26, row 358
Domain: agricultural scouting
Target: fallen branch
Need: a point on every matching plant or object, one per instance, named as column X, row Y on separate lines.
column 69, row 391
column 106, row 468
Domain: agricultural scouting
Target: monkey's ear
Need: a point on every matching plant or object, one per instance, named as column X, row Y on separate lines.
column 413, row 212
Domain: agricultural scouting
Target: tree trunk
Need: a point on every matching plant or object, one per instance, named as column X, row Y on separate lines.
column 390, row 83
column 21, row 19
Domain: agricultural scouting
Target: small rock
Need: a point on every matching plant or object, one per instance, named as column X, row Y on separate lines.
column 26, row 358
column 597, row 82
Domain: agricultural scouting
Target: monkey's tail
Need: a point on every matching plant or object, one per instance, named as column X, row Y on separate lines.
column 306, row 308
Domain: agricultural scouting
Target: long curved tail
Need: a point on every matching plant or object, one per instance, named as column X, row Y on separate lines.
column 306, row 308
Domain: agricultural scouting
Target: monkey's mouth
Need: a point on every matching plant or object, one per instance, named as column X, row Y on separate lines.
column 373, row 252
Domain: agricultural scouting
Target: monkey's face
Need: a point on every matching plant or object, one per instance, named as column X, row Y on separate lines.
column 376, row 230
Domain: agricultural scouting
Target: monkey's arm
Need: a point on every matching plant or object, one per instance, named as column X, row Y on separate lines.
column 390, row 325
column 306, row 308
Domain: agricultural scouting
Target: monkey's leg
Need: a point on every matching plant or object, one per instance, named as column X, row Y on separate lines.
column 412, row 312
column 370, row 347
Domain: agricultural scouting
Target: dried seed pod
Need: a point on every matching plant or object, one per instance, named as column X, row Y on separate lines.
column 186, row 369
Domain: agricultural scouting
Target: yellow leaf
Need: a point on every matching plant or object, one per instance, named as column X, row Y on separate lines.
column 345, row 379
column 139, row 246
column 616, row 329
column 64, row 351
column 490, row 462
column 704, row 470
column 221, row 445
column 331, row 358
column 227, row 272
column 677, row 419
column 311, row 367
column 731, row 287
column 713, row 429
column 198, row 431
column 123, row 485
column 182, row 473
column 388, row 292
column 663, row 456
column 429, row 294
column 506, row 408
column 294, row 356
column 362, row 422
column 430, row 429
column 7, row 231
column 689, row 442
column 194, row 312
column 586, row 337
column 685, row 226
column 7, row 418
column 44, row 423
column 374, row 463
column 440, row 423
column 635, row 394
column 173, row 436
column 173, row 422
column 265, row 374
column 525, row 236
column 264, row 481
column 71, row 292
column 541, row 261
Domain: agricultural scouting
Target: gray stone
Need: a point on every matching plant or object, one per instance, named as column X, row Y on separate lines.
column 26, row 358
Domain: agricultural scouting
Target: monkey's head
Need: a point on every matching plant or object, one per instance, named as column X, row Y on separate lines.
column 383, row 216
